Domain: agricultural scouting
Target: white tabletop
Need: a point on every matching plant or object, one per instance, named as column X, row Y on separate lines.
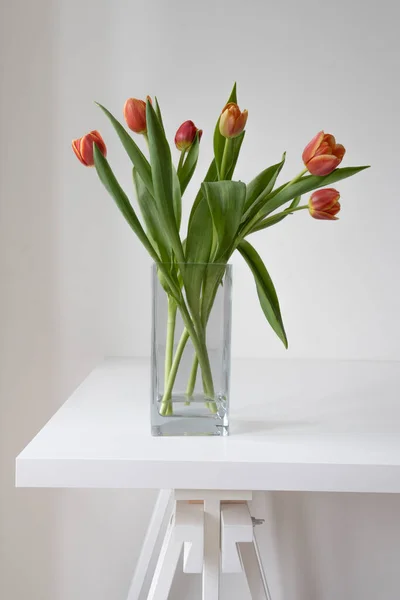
column 295, row 425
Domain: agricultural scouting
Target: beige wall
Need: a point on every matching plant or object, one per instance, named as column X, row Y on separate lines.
column 53, row 278
column 29, row 348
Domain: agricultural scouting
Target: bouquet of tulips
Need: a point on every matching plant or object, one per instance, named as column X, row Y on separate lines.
column 223, row 215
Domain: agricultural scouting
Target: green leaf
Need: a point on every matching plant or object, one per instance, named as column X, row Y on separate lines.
column 235, row 150
column 185, row 173
column 219, row 146
column 199, row 238
column 226, row 200
column 231, row 155
column 259, row 189
column 210, row 176
column 151, row 217
column 161, row 166
column 277, row 218
column 303, row 186
column 137, row 157
column 176, row 197
column 158, row 113
column 219, row 140
column 265, row 289
column 263, row 183
column 233, row 95
column 198, row 249
column 111, row 184
column 212, row 280
column 295, row 202
column 273, row 220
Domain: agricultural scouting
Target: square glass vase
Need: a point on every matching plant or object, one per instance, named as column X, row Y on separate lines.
column 191, row 352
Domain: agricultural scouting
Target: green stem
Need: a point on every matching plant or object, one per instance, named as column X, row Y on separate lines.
column 299, row 176
column 169, row 384
column 201, row 352
column 181, row 160
column 225, row 157
column 276, row 218
column 174, row 289
column 169, row 348
column 193, row 376
column 255, row 220
column 198, row 340
column 289, row 211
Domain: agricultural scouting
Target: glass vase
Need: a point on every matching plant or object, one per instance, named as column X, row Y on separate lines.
column 191, row 347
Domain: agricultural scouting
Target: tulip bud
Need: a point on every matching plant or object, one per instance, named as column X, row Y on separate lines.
column 135, row 114
column 232, row 120
column 83, row 147
column 322, row 155
column 186, row 135
column 324, row 204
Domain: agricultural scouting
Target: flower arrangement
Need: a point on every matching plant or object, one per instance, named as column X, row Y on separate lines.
column 223, row 215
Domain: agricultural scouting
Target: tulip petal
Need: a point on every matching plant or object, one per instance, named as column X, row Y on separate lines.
column 330, row 140
column 323, row 149
column 334, row 209
column 240, row 123
column 233, row 107
column 83, row 147
column 227, row 123
column 323, row 216
column 75, row 148
column 323, row 165
column 185, row 135
column 232, row 120
column 339, row 151
column 99, row 142
column 324, row 199
column 312, row 147
column 86, row 150
column 135, row 115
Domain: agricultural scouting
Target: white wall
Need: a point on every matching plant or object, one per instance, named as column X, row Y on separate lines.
column 300, row 67
column 75, row 283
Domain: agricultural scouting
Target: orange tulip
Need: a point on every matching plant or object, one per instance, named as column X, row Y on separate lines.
column 135, row 114
column 324, row 204
column 232, row 120
column 186, row 134
column 322, row 155
column 83, row 147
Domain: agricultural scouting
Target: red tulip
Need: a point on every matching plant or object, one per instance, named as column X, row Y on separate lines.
column 322, row 155
column 83, row 147
column 324, row 204
column 135, row 114
column 232, row 120
column 186, row 134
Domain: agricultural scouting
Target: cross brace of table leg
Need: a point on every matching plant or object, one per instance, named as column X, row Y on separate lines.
column 215, row 531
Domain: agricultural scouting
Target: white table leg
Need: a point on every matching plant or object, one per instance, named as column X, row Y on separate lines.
column 212, row 534
column 236, row 527
column 186, row 528
column 153, row 531
column 253, row 569
column 166, row 566
column 189, row 529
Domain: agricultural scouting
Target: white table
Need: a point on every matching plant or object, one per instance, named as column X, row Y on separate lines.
column 295, row 425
